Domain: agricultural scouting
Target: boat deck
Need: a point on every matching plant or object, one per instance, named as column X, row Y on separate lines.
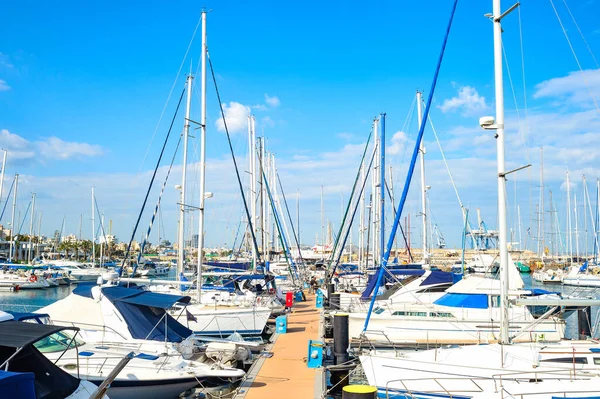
column 285, row 374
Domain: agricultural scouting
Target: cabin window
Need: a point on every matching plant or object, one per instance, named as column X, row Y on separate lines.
column 57, row 342
column 597, row 360
column 378, row 310
column 441, row 314
column 414, row 314
column 495, row 301
column 576, row 360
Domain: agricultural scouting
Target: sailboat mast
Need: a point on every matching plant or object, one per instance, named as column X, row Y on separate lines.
column 31, row 220
column 541, row 229
column 252, row 170
column 584, row 194
column 374, row 202
column 423, row 187
column 2, row 176
column 502, row 230
column 93, row 232
column 382, row 187
column 12, row 221
column 202, row 161
column 186, row 129
column 569, row 235
column 576, row 227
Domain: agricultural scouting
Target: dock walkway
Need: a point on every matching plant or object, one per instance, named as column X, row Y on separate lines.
column 286, row 375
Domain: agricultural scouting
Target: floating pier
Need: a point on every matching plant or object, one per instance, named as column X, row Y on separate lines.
column 286, row 373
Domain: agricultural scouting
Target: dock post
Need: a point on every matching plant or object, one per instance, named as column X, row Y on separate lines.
column 341, row 337
column 330, row 291
column 341, row 342
column 584, row 322
column 359, row 392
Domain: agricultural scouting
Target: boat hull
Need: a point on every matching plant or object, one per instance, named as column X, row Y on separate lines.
column 220, row 322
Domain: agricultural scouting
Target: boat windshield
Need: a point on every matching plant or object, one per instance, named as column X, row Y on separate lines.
column 57, row 342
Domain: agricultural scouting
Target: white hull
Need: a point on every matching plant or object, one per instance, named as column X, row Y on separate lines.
column 478, row 372
column 223, row 321
column 450, row 331
column 583, row 281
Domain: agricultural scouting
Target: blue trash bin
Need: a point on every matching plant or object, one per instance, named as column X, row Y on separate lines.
column 281, row 324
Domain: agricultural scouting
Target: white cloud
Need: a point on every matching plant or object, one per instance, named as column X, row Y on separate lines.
column 399, row 141
column 273, row 102
column 20, row 148
column 576, row 86
column 55, row 148
column 236, row 115
column 3, row 85
column 468, row 101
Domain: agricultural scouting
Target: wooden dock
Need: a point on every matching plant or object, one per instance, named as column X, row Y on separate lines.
column 285, row 374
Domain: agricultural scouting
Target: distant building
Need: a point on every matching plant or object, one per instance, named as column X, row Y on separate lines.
column 71, row 238
column 107, row 239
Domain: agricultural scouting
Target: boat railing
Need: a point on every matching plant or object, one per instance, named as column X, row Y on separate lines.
column 436, row 383
column 535, row 376
column 83, row 326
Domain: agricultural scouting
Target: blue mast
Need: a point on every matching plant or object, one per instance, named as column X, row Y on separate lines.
column 411, row 169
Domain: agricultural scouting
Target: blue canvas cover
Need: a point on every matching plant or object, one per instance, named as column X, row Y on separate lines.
column 438, row 277
column 145, row 313
column 17, row 385
column 473, row 301
column 388, row 277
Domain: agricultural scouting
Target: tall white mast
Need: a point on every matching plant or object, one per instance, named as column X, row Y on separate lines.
column 576, row 226
column 265, row 201
column 93, row 231
column 103, row 239
column 31, row 228
column 202, row 160
column 252, row 167
column 186, row 129
column 542, row 207
column 12, row 222
column 585, row 206
column 499, row 126
column 423, row 187
column 39, row 234
column 2, row 176
column 375, row 196
column 361, row 228
column 569, row 235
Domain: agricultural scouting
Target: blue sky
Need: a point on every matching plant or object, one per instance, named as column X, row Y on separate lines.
column 83, row 86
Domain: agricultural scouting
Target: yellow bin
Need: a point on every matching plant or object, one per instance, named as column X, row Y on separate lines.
column 359, row 392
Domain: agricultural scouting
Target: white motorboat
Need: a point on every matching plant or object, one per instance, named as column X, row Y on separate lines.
column 467, row 313
column 583, row 276
column 23, row 281
column 117, row 320
column 26, row 373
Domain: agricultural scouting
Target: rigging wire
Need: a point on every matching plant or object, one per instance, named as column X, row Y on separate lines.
column 237, row 172
column 6, row 202
column 587, row 83
column 171, row 91
column 581, row 33
column 162, row 151
column 290, row 218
